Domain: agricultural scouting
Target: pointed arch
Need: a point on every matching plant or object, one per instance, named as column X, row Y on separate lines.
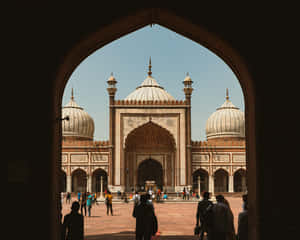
column 151, row 133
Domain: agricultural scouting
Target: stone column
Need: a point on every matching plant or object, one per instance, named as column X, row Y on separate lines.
column 230, row 184
column 188, row 94
column 111, row 91
column 69, row 183
column 199, row 186
column 89, row 183
column 211, row 185
column 101, row 187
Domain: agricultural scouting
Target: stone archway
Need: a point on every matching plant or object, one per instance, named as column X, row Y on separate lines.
column 79, row 181
column 203, row 180
column 221, row 181
column 180, row 24
column 143, row 142
column 96, row 180
column 239, row 179
column 150, row 170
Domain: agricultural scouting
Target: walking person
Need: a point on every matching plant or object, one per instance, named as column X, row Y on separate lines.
column 83, row 203
column 221, row 220
column 89, row 202
column 203, row 210
column 146, row 221
column 108, row 203
column 242, row 233
column 72, row 227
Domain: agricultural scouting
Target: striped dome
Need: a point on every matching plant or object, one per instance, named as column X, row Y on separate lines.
column 227, row 121
column 80, row 123
column 150, row 90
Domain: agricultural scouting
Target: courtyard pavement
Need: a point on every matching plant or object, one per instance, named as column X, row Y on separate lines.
column 175, row 220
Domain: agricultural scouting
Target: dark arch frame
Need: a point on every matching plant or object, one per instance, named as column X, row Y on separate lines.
column 112, row 31
column 152, row 161
column 204, row 177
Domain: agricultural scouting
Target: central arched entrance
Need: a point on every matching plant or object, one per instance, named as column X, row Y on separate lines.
column 149, row 152
column 150, row 170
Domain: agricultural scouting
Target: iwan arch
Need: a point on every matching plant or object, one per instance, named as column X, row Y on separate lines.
column 150, row 140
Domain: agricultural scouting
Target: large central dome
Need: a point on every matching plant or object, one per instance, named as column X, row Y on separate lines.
column 150, row 90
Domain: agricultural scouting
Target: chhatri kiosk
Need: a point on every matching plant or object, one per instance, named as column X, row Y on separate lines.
column 150, row 142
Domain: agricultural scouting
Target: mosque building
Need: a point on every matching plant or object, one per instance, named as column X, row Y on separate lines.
column 150, row 145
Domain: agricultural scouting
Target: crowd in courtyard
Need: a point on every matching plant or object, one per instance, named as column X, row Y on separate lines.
column 213, row 220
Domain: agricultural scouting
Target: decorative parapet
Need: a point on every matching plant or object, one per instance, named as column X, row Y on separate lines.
column 84, row 143
column 219, row 142
column 149, row 102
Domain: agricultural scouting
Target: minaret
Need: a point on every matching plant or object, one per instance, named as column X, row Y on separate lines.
column 111, row 91
column 188, row 94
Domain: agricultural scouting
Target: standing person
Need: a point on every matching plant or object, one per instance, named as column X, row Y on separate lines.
column 184, row 194
column 202, row 216
column 68, row 198
column 221, row 220
column 136, row 198
column 231, row 231
column 108, row 203
column 72, row 227
column 78, row 196
column 83, row 203
column 158, row 195
column 242, row 233
column 89, row 202
column 146, row 221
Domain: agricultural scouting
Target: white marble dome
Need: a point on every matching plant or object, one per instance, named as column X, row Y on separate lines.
column 80, row 123
column 150, row 90
column 227, row 121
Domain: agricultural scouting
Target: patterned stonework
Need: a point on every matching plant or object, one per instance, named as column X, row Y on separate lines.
column 132, row 122
column 220, row 157
column 99, row 157
column 239, row 158
column 75, row 158
column 200, row 158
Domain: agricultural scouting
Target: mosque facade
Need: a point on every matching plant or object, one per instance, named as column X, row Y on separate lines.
column 150, row 142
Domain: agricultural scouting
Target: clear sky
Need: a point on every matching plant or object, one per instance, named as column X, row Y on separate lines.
column 172, row 56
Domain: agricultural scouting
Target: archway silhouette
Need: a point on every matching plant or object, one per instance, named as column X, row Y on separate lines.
column 112, row 31
column 150, row 170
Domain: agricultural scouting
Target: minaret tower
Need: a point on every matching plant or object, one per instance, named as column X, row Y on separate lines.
column 111, row 89
column 188, row 89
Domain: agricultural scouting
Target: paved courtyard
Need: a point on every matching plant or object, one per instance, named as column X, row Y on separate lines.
column 175, row 220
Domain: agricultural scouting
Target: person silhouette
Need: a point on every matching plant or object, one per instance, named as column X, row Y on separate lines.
column 146, row 221
column 242, row 233
column 73, row 224
column 204, row 206
column 222, row 220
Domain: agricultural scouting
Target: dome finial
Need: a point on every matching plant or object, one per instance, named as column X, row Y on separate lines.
column 72, row 94
column 149, row 72
column 227, row 94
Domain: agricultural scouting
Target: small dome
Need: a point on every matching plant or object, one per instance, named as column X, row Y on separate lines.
column 80, row 123
column 227, row 121
column 187, row 79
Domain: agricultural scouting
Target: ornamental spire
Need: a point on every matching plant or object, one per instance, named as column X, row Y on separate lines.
column 72, row 94
column 149, row 72
column 227, row 94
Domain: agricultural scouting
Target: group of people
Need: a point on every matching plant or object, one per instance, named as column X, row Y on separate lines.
column 216, row 220
column 213, row 220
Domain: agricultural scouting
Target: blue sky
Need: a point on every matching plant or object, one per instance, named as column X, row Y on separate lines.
column 172, row 56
